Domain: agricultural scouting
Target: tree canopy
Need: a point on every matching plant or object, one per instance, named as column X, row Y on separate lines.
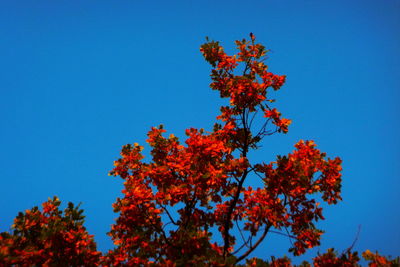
column 190, row 204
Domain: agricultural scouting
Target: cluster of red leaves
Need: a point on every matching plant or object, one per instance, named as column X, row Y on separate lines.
column 195, row 174
column 247, row 91
column 49, row 238
column 377, row 260
column 288, row 184
column 330, row 259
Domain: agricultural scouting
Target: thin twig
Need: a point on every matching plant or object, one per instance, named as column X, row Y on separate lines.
column 354, row 241
column 266, row 230
column 169, row 215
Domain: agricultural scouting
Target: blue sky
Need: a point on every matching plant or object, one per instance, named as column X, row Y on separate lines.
column 79, row 80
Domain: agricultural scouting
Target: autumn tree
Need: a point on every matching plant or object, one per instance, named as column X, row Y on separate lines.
column 49, row 237
column 182, row 206
column 191, row 203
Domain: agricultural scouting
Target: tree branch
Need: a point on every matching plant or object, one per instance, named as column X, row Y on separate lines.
column 239, row 188
column 252, row 248
column 169, row 215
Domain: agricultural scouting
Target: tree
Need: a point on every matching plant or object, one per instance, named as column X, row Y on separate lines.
column 205, row 179
column 191, row 205
column 49, row 238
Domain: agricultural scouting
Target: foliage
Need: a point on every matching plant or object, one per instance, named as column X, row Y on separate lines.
column 49, row 238
column 191, row 203
column 330, row 259
column 204, row 179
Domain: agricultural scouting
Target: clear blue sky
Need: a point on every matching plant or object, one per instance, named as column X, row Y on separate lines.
column 79, row 79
